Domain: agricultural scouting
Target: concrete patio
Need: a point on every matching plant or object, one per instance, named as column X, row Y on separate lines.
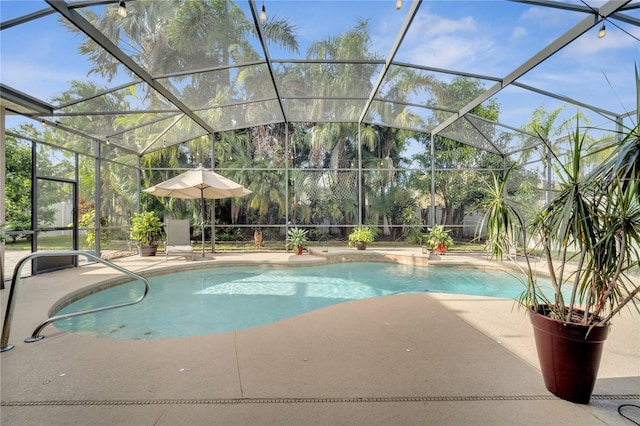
column 420, row 359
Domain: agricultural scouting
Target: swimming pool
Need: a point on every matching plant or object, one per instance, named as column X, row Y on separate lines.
column 216, row 300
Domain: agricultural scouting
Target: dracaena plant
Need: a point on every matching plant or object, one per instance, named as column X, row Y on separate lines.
column 588, row 234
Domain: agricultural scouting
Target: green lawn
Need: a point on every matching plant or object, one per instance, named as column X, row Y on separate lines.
column 62, row 243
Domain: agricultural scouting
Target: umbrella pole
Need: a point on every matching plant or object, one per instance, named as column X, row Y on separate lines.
column 213, row 227
column 202, row 217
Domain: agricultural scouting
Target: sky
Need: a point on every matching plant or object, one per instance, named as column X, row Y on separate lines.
column 487, row 38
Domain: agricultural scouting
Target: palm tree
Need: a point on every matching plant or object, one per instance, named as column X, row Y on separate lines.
column 168, row 38
column 545, row 125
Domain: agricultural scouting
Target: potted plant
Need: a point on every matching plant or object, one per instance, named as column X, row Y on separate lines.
column 360, row 236
column 438, row 239
column 147, row 230
column 296, row 237
column 588, row 234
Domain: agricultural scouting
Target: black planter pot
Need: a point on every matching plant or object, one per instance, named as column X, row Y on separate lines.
column 360, row 245
column 569, row 355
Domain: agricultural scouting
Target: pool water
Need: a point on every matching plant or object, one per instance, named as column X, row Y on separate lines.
column 216, row 300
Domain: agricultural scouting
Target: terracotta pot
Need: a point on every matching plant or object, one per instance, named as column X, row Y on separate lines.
column 569, row 357
column 300, row 248
column 361, row 245
column 441, row 249
column 258, row 238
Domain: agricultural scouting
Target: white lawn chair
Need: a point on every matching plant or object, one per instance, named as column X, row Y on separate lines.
column 178, row 239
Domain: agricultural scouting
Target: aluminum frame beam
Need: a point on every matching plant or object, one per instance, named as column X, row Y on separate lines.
column 267, row 55
column 83, row 25
column 583, row 26
column 22, row 100
column 413, row 9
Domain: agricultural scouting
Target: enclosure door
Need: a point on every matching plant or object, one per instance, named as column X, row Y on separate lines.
column 56, row 223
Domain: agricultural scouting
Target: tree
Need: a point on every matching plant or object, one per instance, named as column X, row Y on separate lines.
column 457, row 181
column 169, row 38
column 554, row 130
column 18, row 182
column 334, row 146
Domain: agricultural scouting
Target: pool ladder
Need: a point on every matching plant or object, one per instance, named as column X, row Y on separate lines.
column 6, row 328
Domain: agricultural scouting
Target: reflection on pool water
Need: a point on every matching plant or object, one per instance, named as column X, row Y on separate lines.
column 216, row 300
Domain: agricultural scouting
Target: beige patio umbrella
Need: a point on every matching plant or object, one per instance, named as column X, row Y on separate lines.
column 199, row 183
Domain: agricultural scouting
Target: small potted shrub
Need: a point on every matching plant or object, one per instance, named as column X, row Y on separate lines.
column 360, row 236
column 147, row 230
column 296, row 238
column 438, row 239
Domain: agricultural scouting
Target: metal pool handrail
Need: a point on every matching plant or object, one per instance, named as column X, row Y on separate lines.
column 6, row 328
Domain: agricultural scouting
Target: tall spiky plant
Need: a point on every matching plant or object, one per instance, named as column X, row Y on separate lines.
column 592, row 224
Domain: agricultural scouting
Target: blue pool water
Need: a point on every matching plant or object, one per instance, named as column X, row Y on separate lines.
column 207, row 301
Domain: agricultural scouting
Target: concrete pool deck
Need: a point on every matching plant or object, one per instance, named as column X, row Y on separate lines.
column 437, row 359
